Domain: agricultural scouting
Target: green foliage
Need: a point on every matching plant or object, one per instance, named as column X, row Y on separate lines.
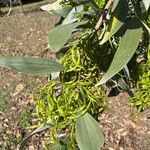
column 126, row 48
column 63, row 102
column 63, row 106
column 142, row 97
column 117, row 20
column 59, row 147
column 68, row 100
column 89, row 39
column 88, row 133
column 5, row 103
column 11, row 141
column 58, row 36
column 25, row 117
column 28, row 65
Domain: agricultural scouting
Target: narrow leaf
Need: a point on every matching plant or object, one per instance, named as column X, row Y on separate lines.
column 61, row 11
column 146, row 4
column 33, row 66
column 57, row 9
column 72, row 16
column 40, row 129
column 59, row 35
column 88, row 133
column 127, row 47
column 115, row 3
column 125, row 87
column 117, row 20
column 59, row 147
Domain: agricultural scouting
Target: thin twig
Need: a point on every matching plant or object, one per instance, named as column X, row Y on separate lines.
column 100, row 21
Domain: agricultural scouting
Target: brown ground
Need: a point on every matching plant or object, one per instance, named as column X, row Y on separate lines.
column 125, row 129
column 27, row 35
column 20, row 35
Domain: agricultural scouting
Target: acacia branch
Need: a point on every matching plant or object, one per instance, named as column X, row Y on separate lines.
column 106, row 8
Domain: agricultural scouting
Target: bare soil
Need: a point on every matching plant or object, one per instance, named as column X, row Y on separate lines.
column 123, row 127
column 21, row 35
